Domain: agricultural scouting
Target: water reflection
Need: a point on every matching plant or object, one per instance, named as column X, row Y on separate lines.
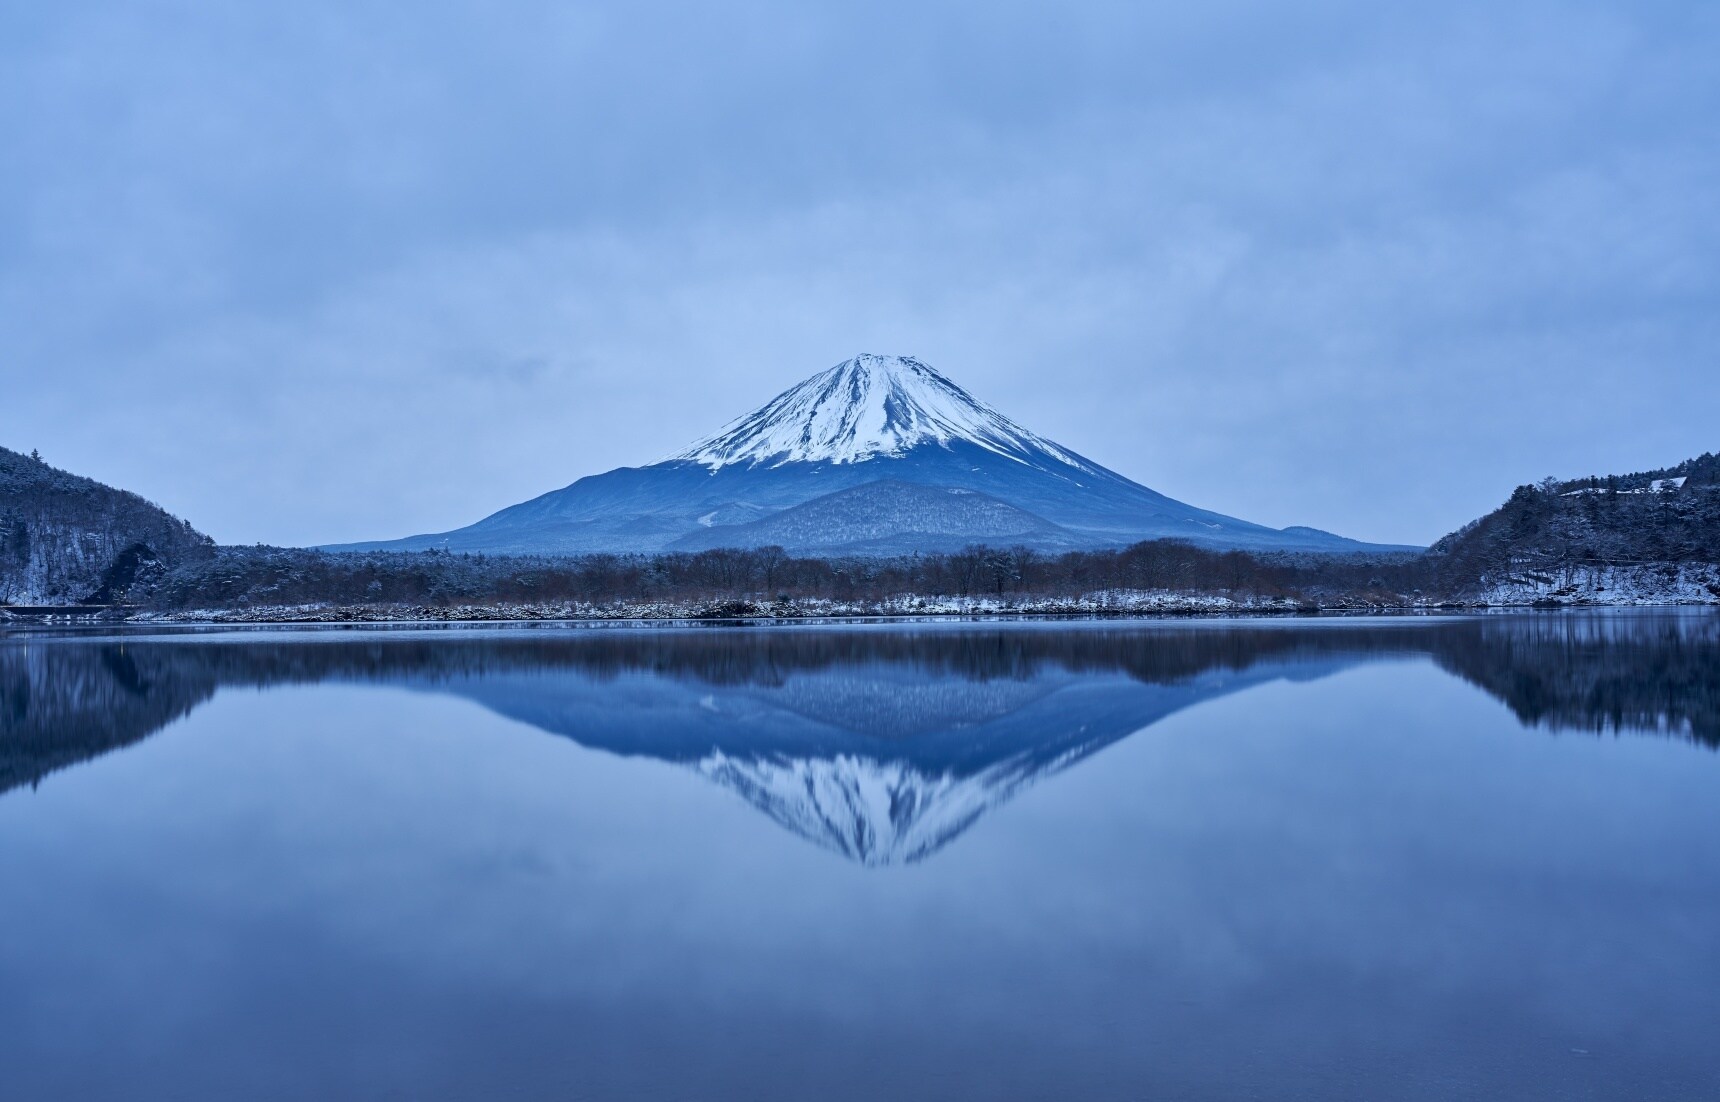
column 881, row 743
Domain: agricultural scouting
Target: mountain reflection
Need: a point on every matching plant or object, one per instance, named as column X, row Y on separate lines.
column 882, row 743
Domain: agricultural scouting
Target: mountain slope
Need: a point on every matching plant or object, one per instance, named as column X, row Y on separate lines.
column 887, row 517
column 866, row 420
column 67, row 539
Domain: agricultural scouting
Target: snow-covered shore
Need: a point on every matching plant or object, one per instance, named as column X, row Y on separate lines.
column 1129, row 602
column 1659, row 584
column 1641, row 584
column 1599, row 586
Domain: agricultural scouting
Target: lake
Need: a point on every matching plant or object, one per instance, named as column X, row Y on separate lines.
column 1323, row 859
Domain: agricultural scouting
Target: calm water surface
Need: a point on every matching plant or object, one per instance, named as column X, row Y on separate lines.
column 1360, row 859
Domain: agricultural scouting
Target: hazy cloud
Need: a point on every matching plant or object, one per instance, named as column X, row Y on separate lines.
column 353, row 271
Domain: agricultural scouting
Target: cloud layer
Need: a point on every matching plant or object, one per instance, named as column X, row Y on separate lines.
column 339, row 272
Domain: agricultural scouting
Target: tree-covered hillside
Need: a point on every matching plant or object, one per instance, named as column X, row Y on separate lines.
column 65, row 539
column 1671, row 515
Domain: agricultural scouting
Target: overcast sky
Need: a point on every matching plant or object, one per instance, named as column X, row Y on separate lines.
column 315, row 272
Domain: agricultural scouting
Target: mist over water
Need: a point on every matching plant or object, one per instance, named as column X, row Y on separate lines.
column 1330, row 859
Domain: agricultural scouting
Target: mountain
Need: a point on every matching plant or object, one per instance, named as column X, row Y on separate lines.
column 67, row 539
column 792, row 472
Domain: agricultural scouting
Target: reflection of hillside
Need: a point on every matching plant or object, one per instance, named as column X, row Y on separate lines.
column 1598, row 673
column 879, row 742
column 63, row 705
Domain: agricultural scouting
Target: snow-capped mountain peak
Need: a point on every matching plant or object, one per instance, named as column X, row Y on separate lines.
column 866, row 407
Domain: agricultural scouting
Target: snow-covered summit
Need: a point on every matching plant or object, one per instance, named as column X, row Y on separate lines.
column 867, row 407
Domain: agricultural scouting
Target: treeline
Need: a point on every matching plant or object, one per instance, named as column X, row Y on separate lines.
column 237, row 577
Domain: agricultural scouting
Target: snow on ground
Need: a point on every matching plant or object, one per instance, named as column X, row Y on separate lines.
column 1658, row 486
column 1111, row 602
column 1642, row 584
column 1638, row 584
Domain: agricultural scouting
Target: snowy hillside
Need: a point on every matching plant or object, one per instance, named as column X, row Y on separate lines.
column 66, row 539
column 1649, row 536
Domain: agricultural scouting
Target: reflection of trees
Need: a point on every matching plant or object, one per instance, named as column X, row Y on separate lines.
column 64, row 701
column 1599, row 673
column 60, row 705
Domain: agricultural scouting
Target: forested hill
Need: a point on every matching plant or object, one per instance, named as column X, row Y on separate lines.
column 1670, row 515
column 65, row 539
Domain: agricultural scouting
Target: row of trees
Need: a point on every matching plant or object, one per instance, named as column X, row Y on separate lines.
column 276, row 576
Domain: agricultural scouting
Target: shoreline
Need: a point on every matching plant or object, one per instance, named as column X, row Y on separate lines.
column 1163, row 606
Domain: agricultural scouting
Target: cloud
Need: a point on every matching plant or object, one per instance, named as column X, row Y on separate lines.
column 330, row 275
